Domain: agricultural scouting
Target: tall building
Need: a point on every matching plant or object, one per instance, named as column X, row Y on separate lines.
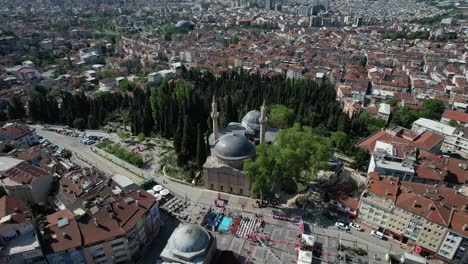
column 268, row 4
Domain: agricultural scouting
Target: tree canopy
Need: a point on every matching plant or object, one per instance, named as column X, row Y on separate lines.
column 297, row 153
column 280, row 116
column 405, row 116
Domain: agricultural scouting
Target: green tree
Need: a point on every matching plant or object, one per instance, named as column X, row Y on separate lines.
column 178, row 136
column 432, row 109
column 234, row 40
column 362, row 62
column 340, row 140
column 79, row 123
column 297, row 154
column 124, row 85
column 392, row 102
column 66, row 154
column 453, row 123
column 371, row 123
column 280, row 116
column 15, row 109
column 201, row 149
column 123, row 135
column 361, row 159
column 141, row 137
column 92, row 122
column 261, row 170
column 185, row 149
column 404, row 116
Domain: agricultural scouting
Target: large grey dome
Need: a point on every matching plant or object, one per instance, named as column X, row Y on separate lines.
column 252, row 120
column 190, row 239
column 234, row 147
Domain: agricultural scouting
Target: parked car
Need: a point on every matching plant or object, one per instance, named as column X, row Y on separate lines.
column 377, row 234
column 342, row 226
column 60, row 150
column 87, row 141
column 355, row 226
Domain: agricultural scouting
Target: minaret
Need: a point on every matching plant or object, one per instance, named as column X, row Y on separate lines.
column 263, row 121
column 214, row 116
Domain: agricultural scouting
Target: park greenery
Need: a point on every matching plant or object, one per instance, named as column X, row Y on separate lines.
column 121, row 153
column 423, row 34
column 280, row 116
column 296, row 156
column 405, row 116
column 181, row 110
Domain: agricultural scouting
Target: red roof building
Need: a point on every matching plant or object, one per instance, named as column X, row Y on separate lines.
column 459, row 117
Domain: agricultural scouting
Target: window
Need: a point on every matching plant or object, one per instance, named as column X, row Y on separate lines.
column 212, row 187
column 240, row 191
column 230, row 189
column 117, row 244
column 221, row 187
column 99, row 256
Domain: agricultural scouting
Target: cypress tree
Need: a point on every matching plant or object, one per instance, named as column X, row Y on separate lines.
column 185, row 148
column 178, row 136
column 92, row 122
column 230, row 112
column 201, row 149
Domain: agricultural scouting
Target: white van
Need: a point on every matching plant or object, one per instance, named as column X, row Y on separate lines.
column 377, row 234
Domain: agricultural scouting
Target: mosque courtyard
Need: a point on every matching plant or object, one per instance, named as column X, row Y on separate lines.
column 268, row 235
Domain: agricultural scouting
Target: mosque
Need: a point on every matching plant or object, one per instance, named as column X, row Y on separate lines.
column 231, row 147
column 189, row 244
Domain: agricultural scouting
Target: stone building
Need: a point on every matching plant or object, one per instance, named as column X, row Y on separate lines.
column 190, row 244
column 231, row 147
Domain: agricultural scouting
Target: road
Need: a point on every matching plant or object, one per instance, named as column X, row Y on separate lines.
column 205, row 198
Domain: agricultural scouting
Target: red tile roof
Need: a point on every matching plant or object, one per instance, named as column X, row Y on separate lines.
column 23, row 173
column 383, row 186
column 453, row 169
column 403, row 140
column 14, row 207
column 427, row 140
column 460, row 223
column 15, row 131
column 435, row 203
column 64, row 236
column 457, row 116
column 342, row 194
column 28, row 154
column 115, row 218
column 73, row 184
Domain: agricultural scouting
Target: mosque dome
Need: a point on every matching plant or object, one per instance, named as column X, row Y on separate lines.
column 191, row 239
column 252, row 119
column 234, row 147
column 185, row 24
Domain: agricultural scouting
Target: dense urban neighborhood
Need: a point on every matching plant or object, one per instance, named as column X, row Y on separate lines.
column 233, row 131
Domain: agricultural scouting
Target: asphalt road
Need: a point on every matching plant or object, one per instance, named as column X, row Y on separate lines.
column 204, row 197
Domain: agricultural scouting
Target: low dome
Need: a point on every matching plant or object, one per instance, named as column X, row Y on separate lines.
column 190, row 239
column 185, row 24
column 234, row 147
column 252, row 120
column 252, row 117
